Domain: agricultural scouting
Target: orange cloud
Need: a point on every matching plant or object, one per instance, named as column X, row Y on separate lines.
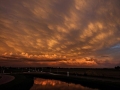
column 73, row 29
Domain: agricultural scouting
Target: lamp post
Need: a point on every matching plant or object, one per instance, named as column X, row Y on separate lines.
column 67, row 73
column 0, row 71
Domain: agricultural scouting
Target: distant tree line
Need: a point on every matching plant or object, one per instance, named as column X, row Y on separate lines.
column 117, row 67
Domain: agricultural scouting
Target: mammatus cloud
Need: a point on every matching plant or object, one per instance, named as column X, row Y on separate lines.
column 72, row 30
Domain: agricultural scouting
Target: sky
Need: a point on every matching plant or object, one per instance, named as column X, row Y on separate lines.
column 60, row 33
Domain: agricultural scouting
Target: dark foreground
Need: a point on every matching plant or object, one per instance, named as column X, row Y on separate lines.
column 20, row 82
column 104, row 79
column 25, row 81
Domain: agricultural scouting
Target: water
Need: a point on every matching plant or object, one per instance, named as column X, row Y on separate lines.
column 48, row 84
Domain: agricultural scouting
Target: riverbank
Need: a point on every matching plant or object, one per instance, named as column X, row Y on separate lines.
column 20, row 82
column 92, row 82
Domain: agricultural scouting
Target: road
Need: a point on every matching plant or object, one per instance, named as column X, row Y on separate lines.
column 6, row 78
column 84, row 77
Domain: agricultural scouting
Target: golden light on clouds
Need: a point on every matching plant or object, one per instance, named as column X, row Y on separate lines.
column 60, row 32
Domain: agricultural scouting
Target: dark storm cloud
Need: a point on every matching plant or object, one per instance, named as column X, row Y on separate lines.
column 75, row 28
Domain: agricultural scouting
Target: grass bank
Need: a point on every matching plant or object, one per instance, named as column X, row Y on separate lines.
column 20, row 82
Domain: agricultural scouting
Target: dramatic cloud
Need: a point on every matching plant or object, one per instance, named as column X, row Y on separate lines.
column 73, row 33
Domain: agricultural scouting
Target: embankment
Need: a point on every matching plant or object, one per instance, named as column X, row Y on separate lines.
column 20, row 82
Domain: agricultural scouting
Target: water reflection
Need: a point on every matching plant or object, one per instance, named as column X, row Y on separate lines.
column 47, row 84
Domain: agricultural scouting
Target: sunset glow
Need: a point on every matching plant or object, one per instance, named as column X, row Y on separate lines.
column 60, row 33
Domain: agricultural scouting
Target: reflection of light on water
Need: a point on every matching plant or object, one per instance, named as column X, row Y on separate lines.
column 47, row 84
column 44, row 82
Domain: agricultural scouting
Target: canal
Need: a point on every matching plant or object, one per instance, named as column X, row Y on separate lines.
column 49, row 84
